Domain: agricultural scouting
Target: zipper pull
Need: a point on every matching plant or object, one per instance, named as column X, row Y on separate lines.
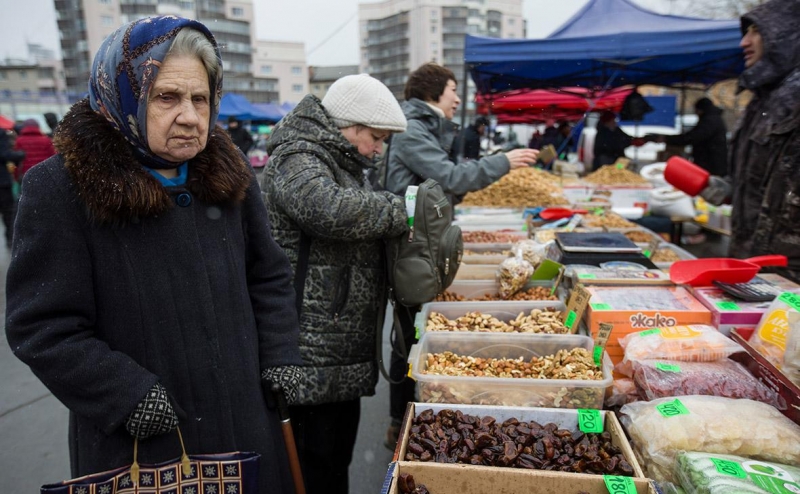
column 438, row 210
column 411, row 234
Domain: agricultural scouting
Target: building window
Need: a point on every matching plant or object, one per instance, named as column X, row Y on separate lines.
column 434, row 14
column 317, row 87
column 433, row 29
column 434, row 45
column 106, row 2
column 23, row 74
column 266, row 69
column 237, row 11
column 511, row 21
column 297, row 70
column 106, row 20
column 2, row 76
column 297, row 88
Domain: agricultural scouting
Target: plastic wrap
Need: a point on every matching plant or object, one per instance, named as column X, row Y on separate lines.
column 531, row 251
column 704, row 473
column 769, row 338
column 661, row 379
column 659, row 429
column 693, row 343
column 514, row 272
column 623, row 392
column 791, row 358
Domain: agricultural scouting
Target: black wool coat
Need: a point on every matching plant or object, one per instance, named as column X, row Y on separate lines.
column 117, row 283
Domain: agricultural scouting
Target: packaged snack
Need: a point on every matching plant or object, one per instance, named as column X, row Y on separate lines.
column 623, row 391
column 769, row 339
column 531, row 251
column 514, row 272
column 659, row 429
column 662, row 378
column 704, row 473
column 692, row 343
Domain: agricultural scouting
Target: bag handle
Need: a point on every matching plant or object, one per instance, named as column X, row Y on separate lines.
column 185, row 465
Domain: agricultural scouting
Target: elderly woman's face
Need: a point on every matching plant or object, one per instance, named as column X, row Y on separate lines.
column 178, row 109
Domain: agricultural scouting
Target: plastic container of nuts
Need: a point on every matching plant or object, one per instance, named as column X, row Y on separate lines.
column 583, row 389
column 545, row 311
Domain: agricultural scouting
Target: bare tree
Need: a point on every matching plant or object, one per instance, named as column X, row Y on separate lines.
column 717, row 9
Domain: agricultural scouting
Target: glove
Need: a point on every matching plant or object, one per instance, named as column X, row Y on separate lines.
column 289, row 377
column 153, row 415
column 717, row 190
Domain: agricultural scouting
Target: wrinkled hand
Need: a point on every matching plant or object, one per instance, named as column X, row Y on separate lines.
column 153, row 415
column 520, row 158
column 717, row 190
column 290, row 377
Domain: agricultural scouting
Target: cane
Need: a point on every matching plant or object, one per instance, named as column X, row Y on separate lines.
column 276, row 392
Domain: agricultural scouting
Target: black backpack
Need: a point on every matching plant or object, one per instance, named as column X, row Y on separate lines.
column 423, row 263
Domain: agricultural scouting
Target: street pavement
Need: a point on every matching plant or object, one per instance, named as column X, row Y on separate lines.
column 33, row 426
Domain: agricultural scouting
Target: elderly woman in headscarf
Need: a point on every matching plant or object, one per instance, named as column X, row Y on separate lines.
column 146, row 290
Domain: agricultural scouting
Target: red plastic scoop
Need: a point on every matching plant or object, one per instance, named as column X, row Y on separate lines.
column 558, row 213
column 701, row 272
column 685, row 176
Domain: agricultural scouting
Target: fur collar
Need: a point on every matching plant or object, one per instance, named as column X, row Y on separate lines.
column 116, row 188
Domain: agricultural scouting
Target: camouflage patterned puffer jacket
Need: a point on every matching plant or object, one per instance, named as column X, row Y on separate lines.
column 315, row 181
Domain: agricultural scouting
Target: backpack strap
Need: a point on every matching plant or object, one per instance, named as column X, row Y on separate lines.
column 396, row 334
column 304, row 251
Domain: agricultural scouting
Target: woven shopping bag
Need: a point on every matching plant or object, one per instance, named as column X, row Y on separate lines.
column 224, row 473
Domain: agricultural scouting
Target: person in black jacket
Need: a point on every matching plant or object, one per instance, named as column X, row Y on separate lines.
column 472, row 136
column 610, row 141
column 239, row 135
column 8, row 205
column 708, row 138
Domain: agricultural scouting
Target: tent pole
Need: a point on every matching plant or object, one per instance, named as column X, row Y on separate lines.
column 683, row 106
column 463, row 111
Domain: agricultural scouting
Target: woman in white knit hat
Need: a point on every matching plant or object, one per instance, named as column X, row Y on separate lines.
column 331, row 224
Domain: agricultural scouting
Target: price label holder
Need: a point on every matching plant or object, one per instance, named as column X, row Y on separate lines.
column 600, row 342
column 672, row 409
column 576, row 306
column 559, row 278
column 652, row 247
column 727, row 305
column 619, row 485
column 590, row 420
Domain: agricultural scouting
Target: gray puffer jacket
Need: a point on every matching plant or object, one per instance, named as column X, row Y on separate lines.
column 765, row 149
column 423, row 150
column 314, row 183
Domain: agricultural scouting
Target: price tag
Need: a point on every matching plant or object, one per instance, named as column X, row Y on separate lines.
column 792, row 299
column 598, row 355
column 727, row 467
column 601, row 306
column 727, row 305
column 571, row 317
column 587, row 276
column 650, row 332
column 416, row 332
column 652, row 247
column 672, row 409
column 668, row 367
column 560, row 277
column 619, row 485
column 589, row 420
column 620, row 166
column 578, row 301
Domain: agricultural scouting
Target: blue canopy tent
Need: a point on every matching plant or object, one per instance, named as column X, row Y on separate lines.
column 609, row 43
column 274, row 111
column 236, row 105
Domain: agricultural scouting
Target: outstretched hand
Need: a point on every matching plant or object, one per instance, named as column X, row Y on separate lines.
column 520, row 158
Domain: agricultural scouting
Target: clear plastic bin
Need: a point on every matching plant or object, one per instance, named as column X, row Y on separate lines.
column 470, row 289
column 504, row 311
column 486, row 272
column 485, row 254
column 682, row 253
column 552, row 393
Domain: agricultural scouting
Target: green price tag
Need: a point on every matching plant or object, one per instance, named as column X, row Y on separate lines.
column 589, row 420
column 728, row 467
column 619, row 485
column 672, row 409
column 601, row 306
column 647, row 253
column 416, row 332
column 587, row 276
column 792, row 299
column 650, row 332
column 620, row 166
column 667, row 367
column 727, row 305
column 598, row 355
column 570, row 319
column 598, row 211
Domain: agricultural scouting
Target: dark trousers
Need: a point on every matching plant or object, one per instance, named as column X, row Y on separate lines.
column 401, row 394
column 8, row 209
column 325, row 437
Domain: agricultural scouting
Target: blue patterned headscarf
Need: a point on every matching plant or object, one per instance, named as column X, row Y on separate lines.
column 125, row 67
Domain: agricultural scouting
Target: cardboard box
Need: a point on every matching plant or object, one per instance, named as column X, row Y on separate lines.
column 441, row 478
column 632, row 309
column 768, row 374
column 489, row 479
column 728, row 312
column 619, row 276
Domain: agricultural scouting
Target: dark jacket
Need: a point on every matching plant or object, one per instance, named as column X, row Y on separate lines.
column 37, row 146
column 423, row 150
column 315, row 183
column 242, row 138
column 472, row 143
column 609, row 144
column 708, row 141
column 765, row 149
column 113, row 287
column 8, row 153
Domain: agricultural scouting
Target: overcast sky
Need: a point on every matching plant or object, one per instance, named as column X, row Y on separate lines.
column 329, row 28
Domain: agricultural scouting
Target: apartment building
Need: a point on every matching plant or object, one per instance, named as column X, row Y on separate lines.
column 83, row 24
column 397, row 36
column 32, row 86
column 283, row 63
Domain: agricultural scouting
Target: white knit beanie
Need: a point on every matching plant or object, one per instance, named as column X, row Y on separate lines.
column 363, row 100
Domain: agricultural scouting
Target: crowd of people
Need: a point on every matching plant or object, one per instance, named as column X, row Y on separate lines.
column 181, row 286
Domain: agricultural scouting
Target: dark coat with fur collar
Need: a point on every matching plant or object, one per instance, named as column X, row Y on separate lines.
column 114, row 287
